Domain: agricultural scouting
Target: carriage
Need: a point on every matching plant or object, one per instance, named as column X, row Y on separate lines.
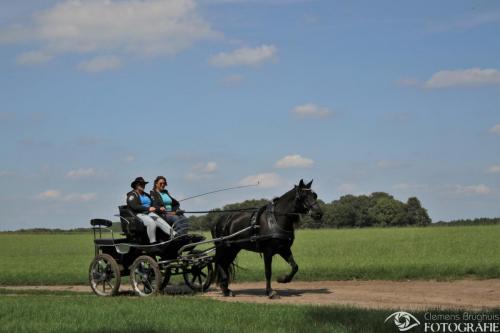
column 149, row 266
column 268, row 229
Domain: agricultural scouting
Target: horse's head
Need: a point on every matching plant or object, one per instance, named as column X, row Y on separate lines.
column 306, row 200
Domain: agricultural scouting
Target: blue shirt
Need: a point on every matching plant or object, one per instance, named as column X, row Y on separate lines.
column 167, row 201
column 145, row 201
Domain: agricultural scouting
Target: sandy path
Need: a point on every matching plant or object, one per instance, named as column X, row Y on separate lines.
column 407, row 295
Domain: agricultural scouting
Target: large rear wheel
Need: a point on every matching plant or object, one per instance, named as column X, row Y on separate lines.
column 198, row 276
column 104, row 275
column 145, row 276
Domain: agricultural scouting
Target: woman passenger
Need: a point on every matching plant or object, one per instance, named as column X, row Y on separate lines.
column 168, row 207
column 141, row 204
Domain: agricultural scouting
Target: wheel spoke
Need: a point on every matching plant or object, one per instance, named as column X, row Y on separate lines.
column 204, row 275
column 148, row 289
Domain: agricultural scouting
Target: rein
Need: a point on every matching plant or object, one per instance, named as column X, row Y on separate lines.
column 220, row 211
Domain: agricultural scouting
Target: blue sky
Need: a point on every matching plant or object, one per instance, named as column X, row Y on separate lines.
column 361, row 96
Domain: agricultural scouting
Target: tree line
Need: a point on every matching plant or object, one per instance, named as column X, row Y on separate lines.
column 349, row 211
column 378, row 209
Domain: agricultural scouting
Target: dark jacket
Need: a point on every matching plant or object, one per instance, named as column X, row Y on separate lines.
column 134, row 202
column 158, row 201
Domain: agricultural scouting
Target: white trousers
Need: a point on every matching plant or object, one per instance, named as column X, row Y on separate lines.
column 151, row 221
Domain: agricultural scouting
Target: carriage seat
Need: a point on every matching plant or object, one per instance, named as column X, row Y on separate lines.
column 109, row 241
column 132, row 226
column 101, row 223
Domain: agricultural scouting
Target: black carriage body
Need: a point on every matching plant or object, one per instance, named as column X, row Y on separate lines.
column 168, row 257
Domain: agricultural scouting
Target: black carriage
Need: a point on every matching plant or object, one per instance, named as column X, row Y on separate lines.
column 149, row 266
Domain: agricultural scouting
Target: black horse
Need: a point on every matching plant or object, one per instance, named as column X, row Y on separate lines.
column 271, row 232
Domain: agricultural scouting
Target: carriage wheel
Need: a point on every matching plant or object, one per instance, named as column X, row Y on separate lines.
column 198, row 277
column 104, row 275
column 145, row 276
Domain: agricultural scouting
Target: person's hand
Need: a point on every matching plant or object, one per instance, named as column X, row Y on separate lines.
column 179, row 212
column 162, row 209
column 152, row 209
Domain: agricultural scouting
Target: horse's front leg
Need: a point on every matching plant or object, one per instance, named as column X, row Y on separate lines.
column 288, row 256
column 268, row 261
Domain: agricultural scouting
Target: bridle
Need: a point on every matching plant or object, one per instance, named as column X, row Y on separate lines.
column 305, row 205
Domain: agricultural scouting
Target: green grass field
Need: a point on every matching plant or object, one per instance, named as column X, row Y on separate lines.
column 325, row 254
column 65, row 312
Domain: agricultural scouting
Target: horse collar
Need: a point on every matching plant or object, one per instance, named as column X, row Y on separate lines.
column 275, row 230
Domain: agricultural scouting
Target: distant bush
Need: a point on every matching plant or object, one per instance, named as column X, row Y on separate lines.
column 350, row 211
column 50, row 230
column 378, row 209
column 476, row 221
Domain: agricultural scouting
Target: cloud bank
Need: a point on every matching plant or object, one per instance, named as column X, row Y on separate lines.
column 245, row 56
column 294, row 161
column 117, row 27
column 463, row 77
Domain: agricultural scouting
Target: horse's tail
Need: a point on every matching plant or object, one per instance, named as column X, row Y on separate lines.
column 222, row 258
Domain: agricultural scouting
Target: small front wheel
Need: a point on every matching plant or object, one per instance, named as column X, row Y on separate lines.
column 198, row 277
column 104, row 275
column 145, row 276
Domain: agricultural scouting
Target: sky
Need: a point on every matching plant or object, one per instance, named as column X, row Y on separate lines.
column 361, row 96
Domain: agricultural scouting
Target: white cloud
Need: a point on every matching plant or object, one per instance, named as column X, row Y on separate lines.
column 262, row 2
column 142, row 28
column 472, row 189
column 79, row 197
column 202, row 171
column 495, row 129
column 33, row 58
column 71, row 197
column 245, row 56
column 463, row 77
column 311, row 110
column 81, row 173
column 49, row 194
column 494, row 169
column 265, row 180
column 99, row 64
column 209, row 167
column 294, row 161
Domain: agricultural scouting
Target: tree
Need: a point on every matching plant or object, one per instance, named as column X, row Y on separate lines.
column 415, row 213
column 388, row 212
column 377, row 209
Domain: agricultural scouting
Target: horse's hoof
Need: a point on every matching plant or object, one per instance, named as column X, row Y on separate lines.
column 283, row 279
column 228, row 293
column 274, row 295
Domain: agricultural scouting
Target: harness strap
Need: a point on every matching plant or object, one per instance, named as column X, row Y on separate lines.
column 275, row 231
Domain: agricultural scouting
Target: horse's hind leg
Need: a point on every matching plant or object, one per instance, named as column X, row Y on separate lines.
column 288, row 256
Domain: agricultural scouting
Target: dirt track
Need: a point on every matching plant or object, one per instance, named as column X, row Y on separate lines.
column 407, row 295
